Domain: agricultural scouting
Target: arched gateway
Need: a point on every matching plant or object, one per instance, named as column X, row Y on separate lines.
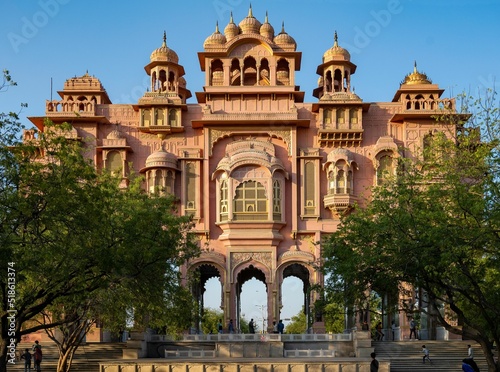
column 264, row 175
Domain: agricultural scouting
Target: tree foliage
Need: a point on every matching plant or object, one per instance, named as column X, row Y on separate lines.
column 81, row 244
column 436, row 227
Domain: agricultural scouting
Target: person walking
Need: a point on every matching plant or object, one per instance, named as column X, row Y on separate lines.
column 426, row 354
column 374, row 363
column 37, row 355
column 27, row 360
column 466, row 367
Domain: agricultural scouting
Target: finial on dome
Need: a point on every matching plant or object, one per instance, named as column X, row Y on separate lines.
column 164, row 38
column 266, row 19
column 217, row 27
column 335, row 39
column 283, row 27
column 250, row 14
column 415, row 66
column 231, row 18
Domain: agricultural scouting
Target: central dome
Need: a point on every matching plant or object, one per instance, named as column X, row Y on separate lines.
column 250, row 24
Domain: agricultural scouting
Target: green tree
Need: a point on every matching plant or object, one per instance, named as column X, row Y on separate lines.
column 298, row 323
column 68, row 233
column 436, row 226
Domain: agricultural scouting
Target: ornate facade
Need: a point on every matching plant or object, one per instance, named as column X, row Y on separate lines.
column 264, row 174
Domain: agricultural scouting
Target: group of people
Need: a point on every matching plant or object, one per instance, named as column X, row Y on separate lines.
column 36, row 349
column 277, row 327
column 468, row 364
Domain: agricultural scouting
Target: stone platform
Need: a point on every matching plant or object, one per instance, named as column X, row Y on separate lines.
column 245, row 365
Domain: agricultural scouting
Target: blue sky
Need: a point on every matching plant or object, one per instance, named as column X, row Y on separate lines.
column 456, row 43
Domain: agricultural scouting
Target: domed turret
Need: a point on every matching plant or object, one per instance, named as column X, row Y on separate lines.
column 336, row 52
column 266, row 29
column 161, row 159
column 231, row 30
column 250, row 24
column 283, row 39
column 416, row 77
column 114, row 134
column 164, row 53
column 216, row 39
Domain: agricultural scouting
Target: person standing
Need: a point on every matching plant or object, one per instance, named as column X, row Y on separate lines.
column 230, row 327
column 275, row 327
column 426, row 354
column 251, row 326
column 37, row 355
column 393, row 329
column 27, row 360
column 219, row 326
column 374, row 363
column 413, row 328
column 281, row 327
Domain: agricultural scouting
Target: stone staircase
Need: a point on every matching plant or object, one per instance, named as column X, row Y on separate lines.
column 445, row 355
column 86, row 358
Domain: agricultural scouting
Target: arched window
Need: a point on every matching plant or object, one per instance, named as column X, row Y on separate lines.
column 114, row 162
column 353, row 116
column 249, row 71
column 276, row 200
column 190, row 188
column 340, row 117
column 341, row 182
column 309, row 189
column 160, row 117
column 172, row 117
column 250, row 202
column 328, row 82
column 163, row 80
column 169, row 183
column 264, row 73
column 146, row 118
column 283, row 72
column 224, row 207
column 327, row 116
column 171, row 81
column 217, row 73
column 337, row 80
column 385, row 169
column 235, row 72
column 331, row 183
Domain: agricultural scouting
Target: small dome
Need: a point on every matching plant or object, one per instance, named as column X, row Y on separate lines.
column 266, row 29
column 336, row 53
column 164, row 53
column 114, row 134
column 416, row 77
column 231, row 30
column 283, row 38
column 250, row 24
column 215, row 39
column 161, row 159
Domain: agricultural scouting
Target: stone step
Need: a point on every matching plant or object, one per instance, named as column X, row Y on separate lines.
column 445, row 355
